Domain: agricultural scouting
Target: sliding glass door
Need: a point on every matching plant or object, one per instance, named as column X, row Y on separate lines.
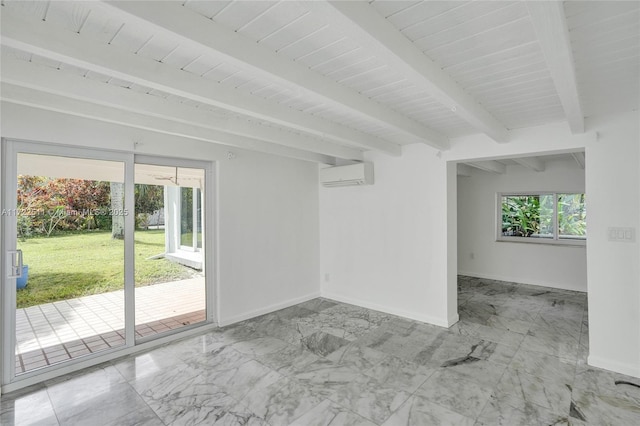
column 101, row 251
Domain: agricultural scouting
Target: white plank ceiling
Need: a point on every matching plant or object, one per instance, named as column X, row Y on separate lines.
column 323, row 81
column 534, row 163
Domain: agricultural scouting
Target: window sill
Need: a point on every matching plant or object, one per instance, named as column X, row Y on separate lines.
column 545, row 241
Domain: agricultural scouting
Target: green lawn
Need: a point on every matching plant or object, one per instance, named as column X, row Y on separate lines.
column 74, row 265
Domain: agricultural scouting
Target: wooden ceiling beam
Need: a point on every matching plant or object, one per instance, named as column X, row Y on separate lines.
column 365, row 25
column 28, row 75
column 206, row 34
column 550, row 25
column 580, row 159
column 532, row 163
column 42, row 38
column 490, row 166
column 72, row 107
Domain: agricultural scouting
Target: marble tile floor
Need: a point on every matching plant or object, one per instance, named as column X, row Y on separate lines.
column 517, row 357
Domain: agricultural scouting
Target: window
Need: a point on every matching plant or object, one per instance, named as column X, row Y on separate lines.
column 546, row 217
column 572, row 217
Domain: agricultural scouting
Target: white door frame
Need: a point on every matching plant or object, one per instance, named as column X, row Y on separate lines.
column 8, row 241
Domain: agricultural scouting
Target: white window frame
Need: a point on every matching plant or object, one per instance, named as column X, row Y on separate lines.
column 580, row 242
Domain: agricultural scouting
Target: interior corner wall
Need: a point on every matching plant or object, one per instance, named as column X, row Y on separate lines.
column 267, row 207
column 613, row 188
column 480, row 255
column 384, row 246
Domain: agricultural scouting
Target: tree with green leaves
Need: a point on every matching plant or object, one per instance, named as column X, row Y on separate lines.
column 47, row 205
column 527, row 215
column 149, row 199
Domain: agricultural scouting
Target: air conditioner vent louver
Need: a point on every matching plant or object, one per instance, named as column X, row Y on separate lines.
column 351, row 175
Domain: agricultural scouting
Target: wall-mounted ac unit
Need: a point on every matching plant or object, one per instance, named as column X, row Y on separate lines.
column 353, row 174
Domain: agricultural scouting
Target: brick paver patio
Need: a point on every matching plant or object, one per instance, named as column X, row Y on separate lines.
column 55, row 332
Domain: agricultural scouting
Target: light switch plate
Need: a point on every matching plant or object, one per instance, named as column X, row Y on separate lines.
column 625, row 235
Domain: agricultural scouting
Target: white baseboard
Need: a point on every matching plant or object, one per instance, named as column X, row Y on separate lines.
column 267, row 309
column 454, row 319
column 520, row 280
column 441, row 322
column 618, row 367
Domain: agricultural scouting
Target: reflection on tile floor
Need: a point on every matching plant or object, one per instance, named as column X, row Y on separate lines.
column 517, row 357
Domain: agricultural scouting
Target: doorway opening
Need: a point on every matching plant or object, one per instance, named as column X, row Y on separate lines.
column 521, row 252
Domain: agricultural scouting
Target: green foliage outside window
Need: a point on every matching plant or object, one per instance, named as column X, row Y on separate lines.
column 572, row 216
column 531, row 216
column 527, row 216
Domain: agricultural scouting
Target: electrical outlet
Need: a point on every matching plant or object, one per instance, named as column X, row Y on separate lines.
column 472, row 255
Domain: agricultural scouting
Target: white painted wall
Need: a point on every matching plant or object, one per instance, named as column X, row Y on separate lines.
column 528, row 263
column 384, row 246
column 613, row 186
column 612, row 181
column 268, row 246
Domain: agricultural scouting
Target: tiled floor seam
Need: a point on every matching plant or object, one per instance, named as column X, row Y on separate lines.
column 413, row 394
column 575, row 372
column 364, row 417
column 496, row 386
column 55, row 412
column 129, row 383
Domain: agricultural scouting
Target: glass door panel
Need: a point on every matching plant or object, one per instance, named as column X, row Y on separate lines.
column 169, row 265
column 70, row 230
